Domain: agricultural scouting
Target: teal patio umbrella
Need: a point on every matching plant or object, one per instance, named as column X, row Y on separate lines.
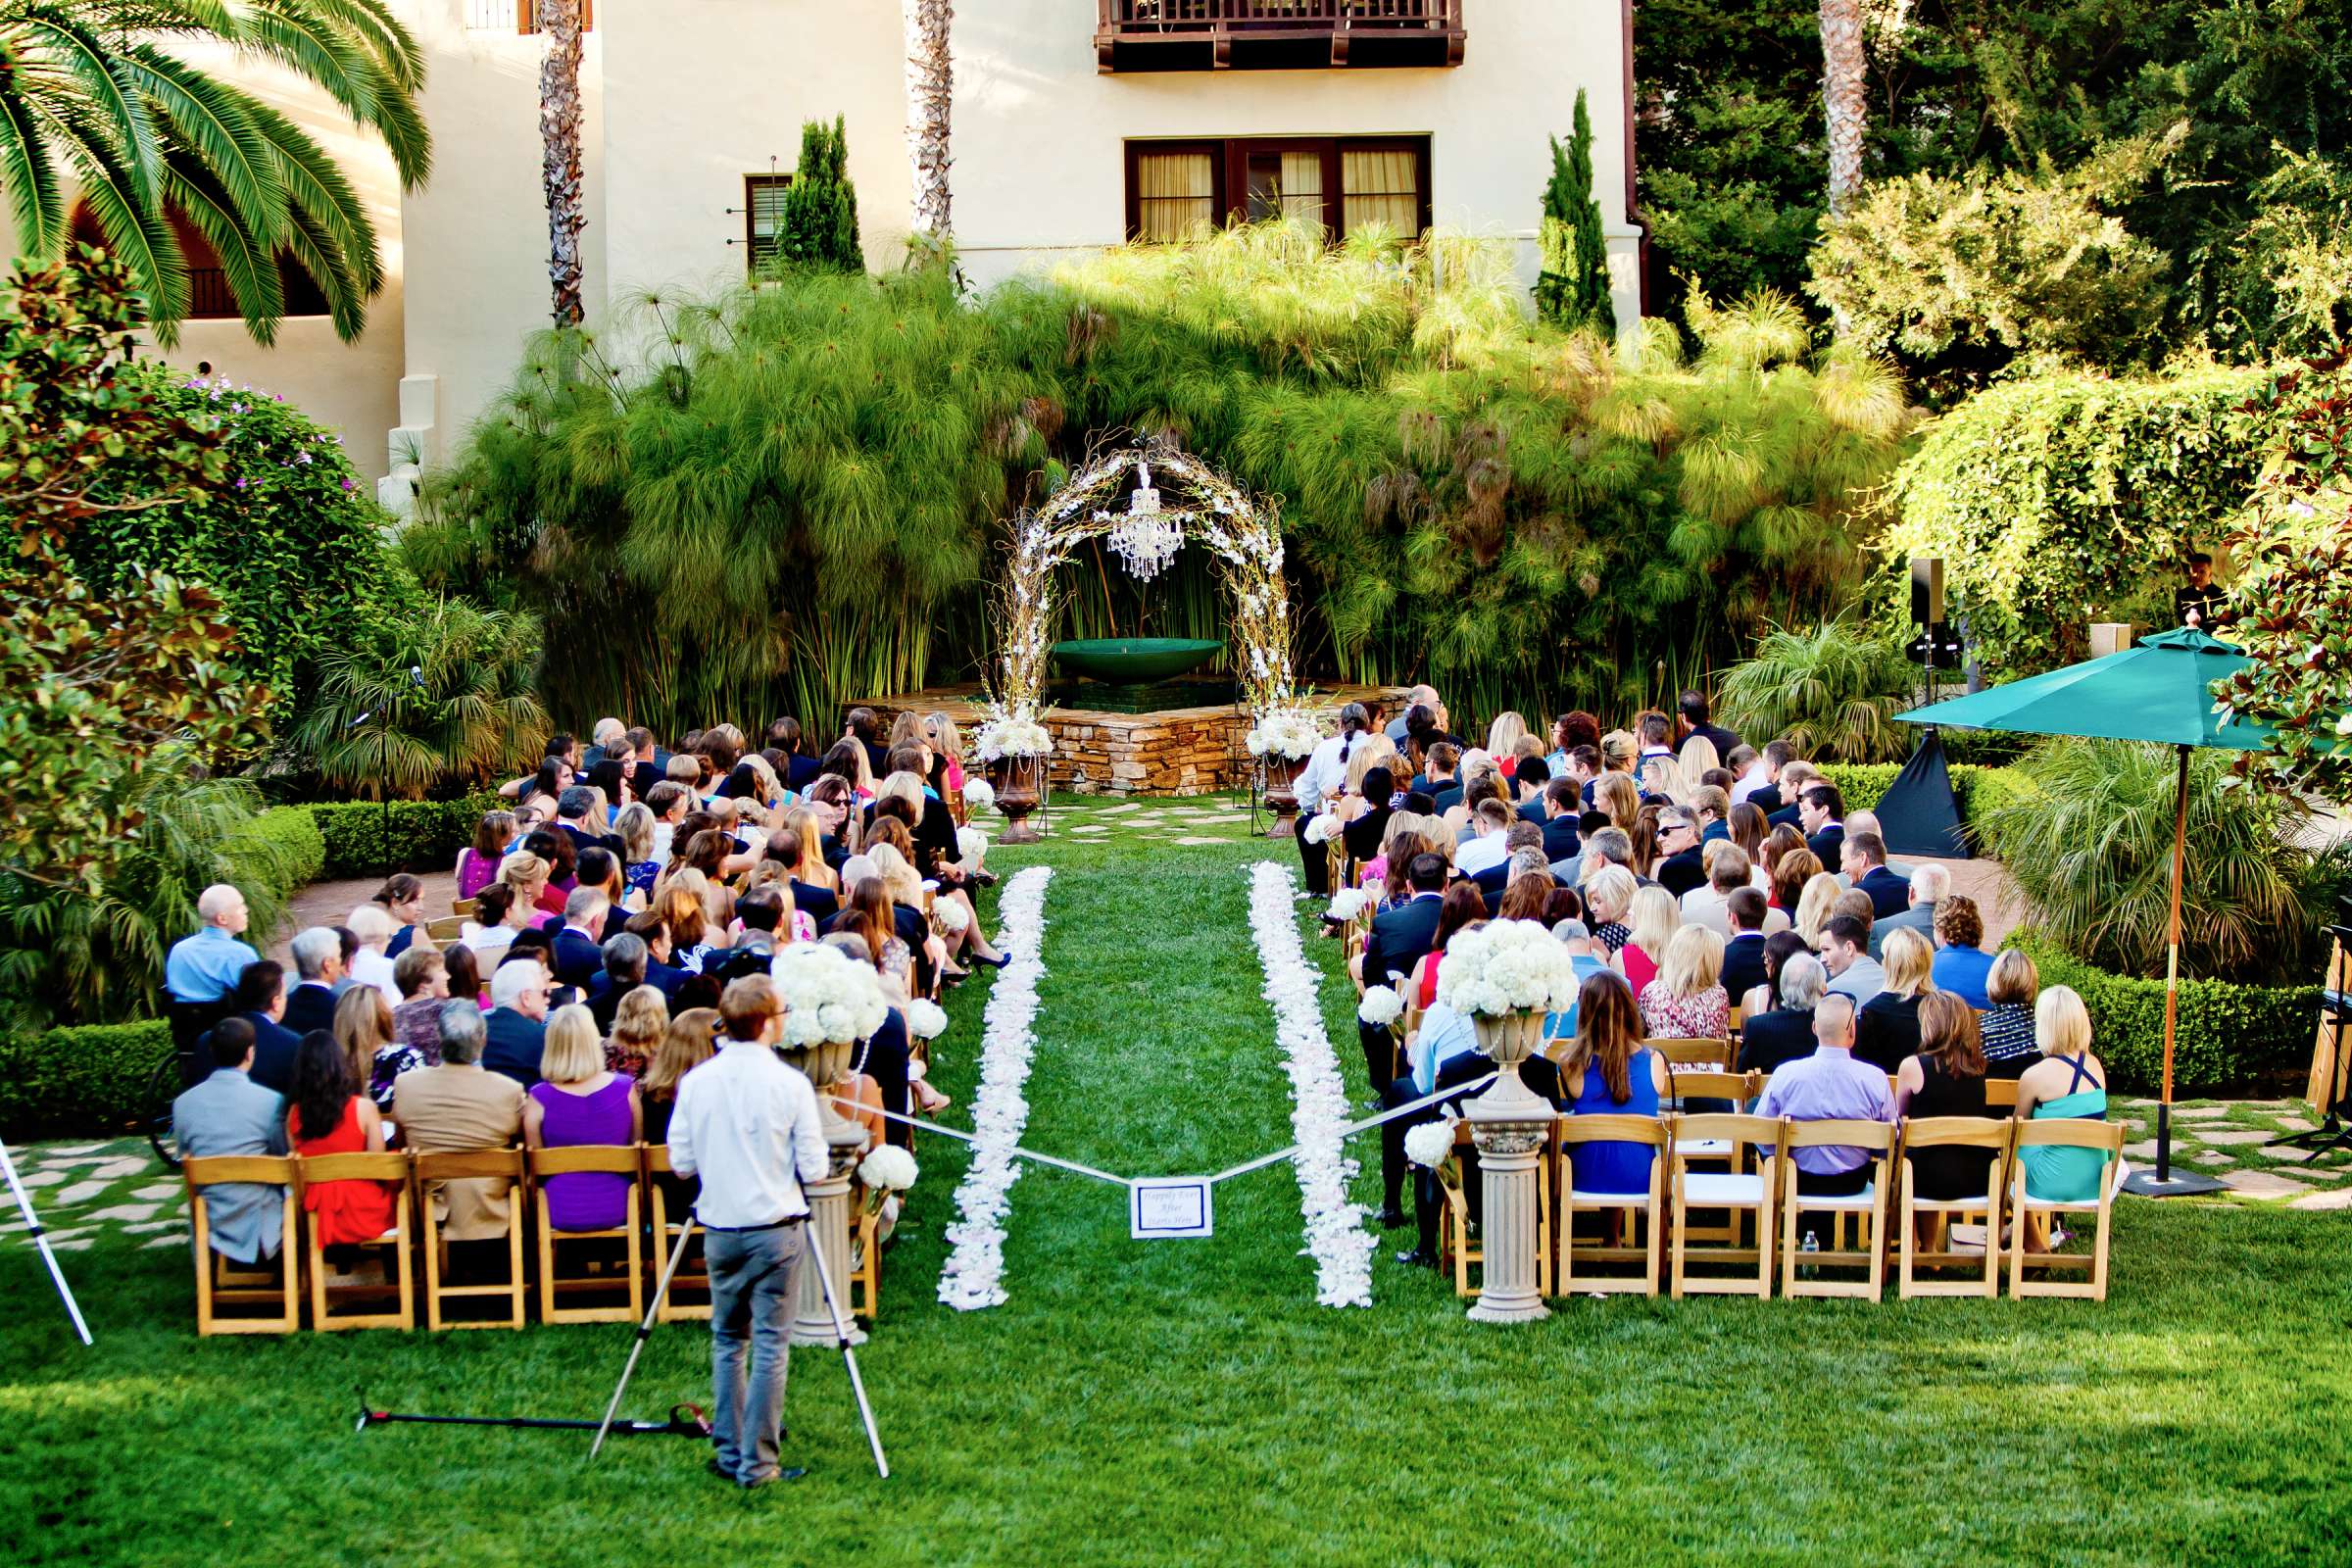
column 2161, row 691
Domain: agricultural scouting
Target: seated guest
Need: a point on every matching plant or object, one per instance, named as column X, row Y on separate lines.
column 459, row 1108
column 1744, row 953
column 229, row 1113
column 1795, row 778
column 1681, row 866
column 1762, row 997
column 1962, row 966
column 1487, row 847
column 572, row 819
column 1687, row 1000
column 2011, row 989
column 1865, row 864
column 261, row 1001
column 1845, row 954
column 1442, row 1052
column 580, row 946
column 1729, row 872
column 761, row 911
column 363, row 1028
column 690, row 1040
column 884, row 1075
column 517, row 1021
column 1711, row 807
column 1655, row 916
column 2068, row 1082
column 1609, row 895
column 625, row 957
column 1561, row 810
column 1829, row 1085
column 1821, row 810
column 204, row 968
column 1586, row 956
column 1760, row 776
column 478, row 862
column 651, row 929
column 370, row 966
column 402, row 897
column 635, row 1031
column 578, row 1100
column 1945, row 1079
column 329, row 1116
column 1399, row 939
column 539, row 882
column 464, row 974
column 1610, row 1072
column 815, row 893
column 1925, row 892
column 318, row 955
column 1462, row 910
column 498, row 913
column 1886, row 1029
column 1784, row 1033
column 421, row 975
column 1529, row 776
column 1792, row 871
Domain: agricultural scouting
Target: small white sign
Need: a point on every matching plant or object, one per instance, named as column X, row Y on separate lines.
column 1169, row 1205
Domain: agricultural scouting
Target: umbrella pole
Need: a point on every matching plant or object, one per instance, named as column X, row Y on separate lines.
column 2166, row 1184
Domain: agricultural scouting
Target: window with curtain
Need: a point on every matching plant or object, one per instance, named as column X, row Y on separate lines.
column 1286, row 184
column 1381, row 185
column 1175, row 194
column 763, row 217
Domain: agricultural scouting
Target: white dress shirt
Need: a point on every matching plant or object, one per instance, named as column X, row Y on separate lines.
column 369, row 967
column 748, row 1126
column 1324, row 775
column 1482, row 853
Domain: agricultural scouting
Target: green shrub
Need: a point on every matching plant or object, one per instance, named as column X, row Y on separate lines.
column 1829, row 692
column 1977, row 789
column 2227, row 1036
column 426, row 835
column 85, row 1082
column 295, row 834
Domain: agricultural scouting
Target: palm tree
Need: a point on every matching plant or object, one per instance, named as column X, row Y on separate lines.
column 559, row 134
column 930, row 99
column 1841, row 93
column 92, row 97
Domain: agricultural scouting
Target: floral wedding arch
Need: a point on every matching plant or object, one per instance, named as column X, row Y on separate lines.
column 1241, row 533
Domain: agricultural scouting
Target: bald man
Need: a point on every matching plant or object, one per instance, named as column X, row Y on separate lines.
column 205, row 967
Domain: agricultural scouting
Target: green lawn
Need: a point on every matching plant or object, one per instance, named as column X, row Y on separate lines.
column 1187, row 1402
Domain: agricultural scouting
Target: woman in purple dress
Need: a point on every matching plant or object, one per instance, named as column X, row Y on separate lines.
column 579, row 1102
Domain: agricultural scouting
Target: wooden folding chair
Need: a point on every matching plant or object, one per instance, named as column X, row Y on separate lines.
column 1454, row 1219
column 866, row 1266
column 1645, row 1210
column 400, row 1281
column 462, row 907
column 449, row 928
column 1708, row 1055
column 2000, row 1094
column 1736, row 1139
column 2062, row 1132
column 621, row 1159
column 483, row 1164
column 221, row 1283
column 693, row 1275
column 1950, row 1132
column 1695, row 1087
column 1868, row 1207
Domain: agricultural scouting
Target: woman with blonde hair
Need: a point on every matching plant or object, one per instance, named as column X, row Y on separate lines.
column 1504, row 733
column 2012, row 988
column 1886, row 1029
column 947, row 759
column 1618, row 748
column 1377, row 751
column 680, row 904
column 800, row 821
column 580, row 1101
column 1814, row 905
column 1686, row 1001
column 2068, row 1082
column 638, row 1025
column 524, row 875
column 1698, row 757
column 1608, row 896
column 1616, row 797
column 1655, row 917
column 1662, row 779
column 363, row 1028
column 635, row 828
column 838, row 816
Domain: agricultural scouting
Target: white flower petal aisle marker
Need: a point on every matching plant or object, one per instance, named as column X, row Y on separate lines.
column 1335, row 1237
column 973, row 1274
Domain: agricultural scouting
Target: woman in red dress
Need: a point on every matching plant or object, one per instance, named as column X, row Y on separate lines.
column 330, row 1116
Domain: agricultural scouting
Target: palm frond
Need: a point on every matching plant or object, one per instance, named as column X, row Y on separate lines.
column 215, row 122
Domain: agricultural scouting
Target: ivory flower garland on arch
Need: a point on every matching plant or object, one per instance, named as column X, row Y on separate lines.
column 973, row 1274
column 1244, row 537
column 1335, row 1237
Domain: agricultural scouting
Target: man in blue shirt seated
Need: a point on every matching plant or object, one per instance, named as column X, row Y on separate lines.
column 205, row 967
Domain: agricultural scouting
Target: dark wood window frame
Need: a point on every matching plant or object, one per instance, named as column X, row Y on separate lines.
column 1229, row 170
column 753, row 252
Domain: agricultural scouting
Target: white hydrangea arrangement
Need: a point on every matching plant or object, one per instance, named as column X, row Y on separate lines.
column 1430, row 1145
column 1347, row 904
column 926, row 1019
column 1506, row 966
column 947, row 914
column 1283, row 732
column 828, row 995
column 1380, row 1005
column 979, row 794
column 1013, row 732
column 888, row 1170
column 1321, row 827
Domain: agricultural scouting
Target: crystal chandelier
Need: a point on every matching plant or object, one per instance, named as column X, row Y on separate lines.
column 1145, row 539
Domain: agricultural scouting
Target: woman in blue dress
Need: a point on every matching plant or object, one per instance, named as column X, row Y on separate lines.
column 1609, row 1072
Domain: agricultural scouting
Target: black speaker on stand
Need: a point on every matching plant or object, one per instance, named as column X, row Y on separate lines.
column 1919, row 814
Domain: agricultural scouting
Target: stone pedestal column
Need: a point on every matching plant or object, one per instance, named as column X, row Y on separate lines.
column 829, row 1228
column 1508, row 1124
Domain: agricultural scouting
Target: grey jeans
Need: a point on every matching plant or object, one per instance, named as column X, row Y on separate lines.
column 754, row 1275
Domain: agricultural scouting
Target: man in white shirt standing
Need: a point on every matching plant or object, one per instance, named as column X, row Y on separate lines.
column 748, row 1126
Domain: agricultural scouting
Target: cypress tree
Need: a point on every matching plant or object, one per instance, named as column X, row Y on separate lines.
column 1573, row 289
column 821, row 206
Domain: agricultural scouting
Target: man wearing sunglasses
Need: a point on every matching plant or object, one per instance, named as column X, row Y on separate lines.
column 1680, row 865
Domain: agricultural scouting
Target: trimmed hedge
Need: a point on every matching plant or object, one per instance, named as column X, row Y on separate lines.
column 426, row 835
column 295, row 832
column 1977, row 789
column 2227, row 1036
column 89, row 1081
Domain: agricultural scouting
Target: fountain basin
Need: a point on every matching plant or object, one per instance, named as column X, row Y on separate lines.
column 1133, row 660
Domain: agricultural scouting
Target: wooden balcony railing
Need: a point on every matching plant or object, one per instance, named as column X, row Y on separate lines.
column 1218, row 34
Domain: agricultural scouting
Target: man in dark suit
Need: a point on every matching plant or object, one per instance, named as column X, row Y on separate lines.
column 652, row 758
column 1795, row 778
column 1528, row 780
column 318, row 955
column 866, row 728
column 1766, row 796
column 1865, row 866
column 1786, row 1033
column 579, row 950
column 1711, row 804
column 1695, row 721
column 1683, row 867
column 517, row 1023
column 1561, row 808
column 1821, row 813
column 1743, row 955
column 571, row 817
column 650, row 928
column 1399, row 939
column 261, row 1001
